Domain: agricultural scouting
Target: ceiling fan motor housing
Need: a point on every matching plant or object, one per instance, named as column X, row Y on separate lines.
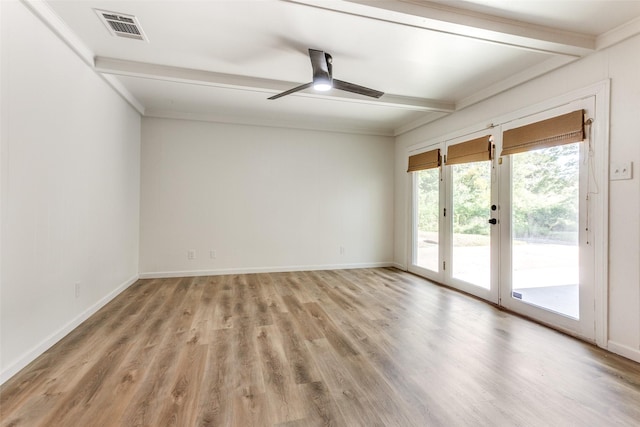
column 322, row 69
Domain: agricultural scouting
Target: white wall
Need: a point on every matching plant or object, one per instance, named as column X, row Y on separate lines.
column 621, row 64
column 70, row 154
column 262, row 198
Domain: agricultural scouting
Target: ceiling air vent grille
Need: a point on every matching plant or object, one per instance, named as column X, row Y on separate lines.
column 122, row 25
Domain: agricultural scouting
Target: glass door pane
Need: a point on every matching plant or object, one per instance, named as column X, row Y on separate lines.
column 544, row 224
column 471, row 203
column 427, row 227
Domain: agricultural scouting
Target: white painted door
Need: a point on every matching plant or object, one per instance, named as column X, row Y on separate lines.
column 547, row 253
column 471, row 240
column 513, row 230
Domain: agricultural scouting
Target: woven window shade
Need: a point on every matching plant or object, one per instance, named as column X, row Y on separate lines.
column 422, row 161
column 558, row 130
column 475, row 150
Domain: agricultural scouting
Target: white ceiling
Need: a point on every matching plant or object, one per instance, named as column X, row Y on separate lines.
column 220, row 60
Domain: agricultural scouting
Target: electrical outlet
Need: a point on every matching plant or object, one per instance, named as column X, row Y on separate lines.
column 622, row 170
column 341, row 250
column 77, row 289
column 191, row 254
column 212, row 254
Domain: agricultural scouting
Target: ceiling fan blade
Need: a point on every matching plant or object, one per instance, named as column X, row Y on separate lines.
column 290, row 91
column 351, row 87
column 320, row 61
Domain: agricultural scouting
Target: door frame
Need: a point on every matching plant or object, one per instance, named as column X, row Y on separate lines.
column 599, row 222
column 492, row 294
column 411, row 267
column 585, row 326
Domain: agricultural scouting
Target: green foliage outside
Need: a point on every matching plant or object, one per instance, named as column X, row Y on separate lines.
column 544, row 195
column 428, row 199
column 471, row 198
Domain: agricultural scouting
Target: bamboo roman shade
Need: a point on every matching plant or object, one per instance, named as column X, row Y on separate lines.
column 422, row 161
column 475, row 150
column 558, row 130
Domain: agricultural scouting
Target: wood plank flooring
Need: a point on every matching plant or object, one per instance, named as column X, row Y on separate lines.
column 369, row 347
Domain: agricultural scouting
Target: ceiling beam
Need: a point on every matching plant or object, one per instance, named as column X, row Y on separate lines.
column 464, row 23
column 268, row 86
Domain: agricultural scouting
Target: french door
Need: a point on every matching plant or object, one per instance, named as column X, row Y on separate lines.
column 547, row 251
column 471, row 235
column 453, row 240
column 511, row 229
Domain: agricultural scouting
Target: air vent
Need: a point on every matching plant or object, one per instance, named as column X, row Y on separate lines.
column 122, row 25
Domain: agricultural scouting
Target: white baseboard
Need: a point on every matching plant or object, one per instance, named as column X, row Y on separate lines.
column 251, row 270
column 48, row 342
column 624, row 350
column 399, row 266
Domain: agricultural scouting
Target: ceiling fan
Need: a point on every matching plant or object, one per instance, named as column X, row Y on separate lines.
column 323, row 78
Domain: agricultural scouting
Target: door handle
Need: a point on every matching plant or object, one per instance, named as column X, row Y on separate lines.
column 493, row 221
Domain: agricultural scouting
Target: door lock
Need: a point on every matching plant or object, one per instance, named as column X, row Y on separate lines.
column 493, row 221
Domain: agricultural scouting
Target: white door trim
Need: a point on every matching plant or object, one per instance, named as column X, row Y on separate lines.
column 599, row 201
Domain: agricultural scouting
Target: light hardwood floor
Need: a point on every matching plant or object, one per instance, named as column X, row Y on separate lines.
column 370, row 347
